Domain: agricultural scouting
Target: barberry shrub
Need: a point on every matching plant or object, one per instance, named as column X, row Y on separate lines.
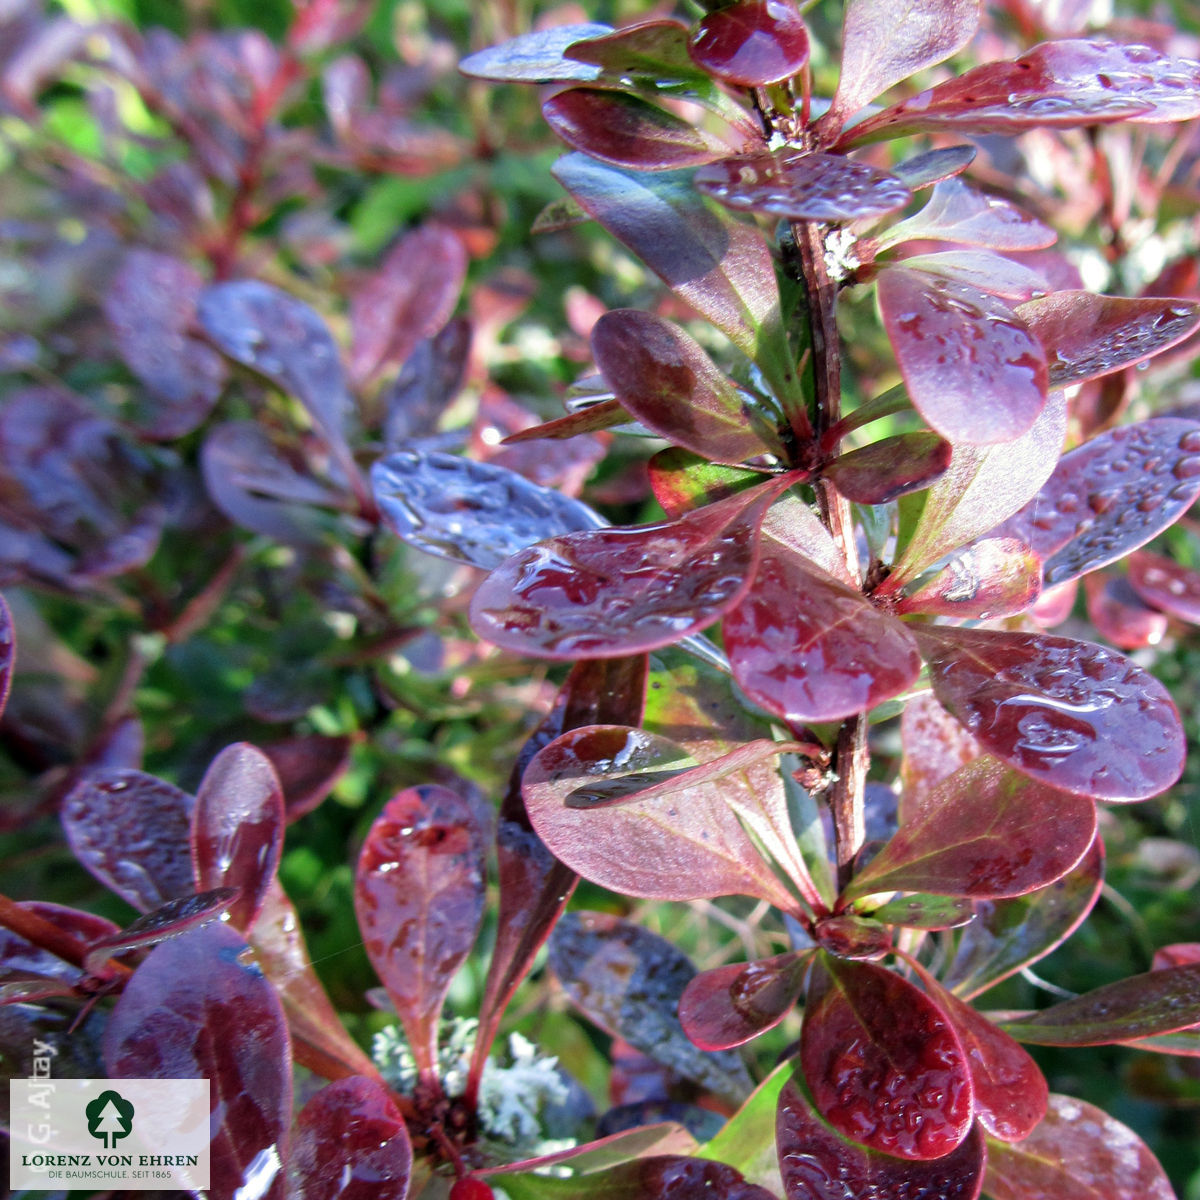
column 895, row 433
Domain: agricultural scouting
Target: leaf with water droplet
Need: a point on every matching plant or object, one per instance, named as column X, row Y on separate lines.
column 536, row 57
column 1165, row 584
column 1073, row 714
column 995, row 577
column 751, row 42
column 973, row 370
column 892, row 467
column 729, row 1005
column 983, row 269
column 883, row 1063
column 172, row 919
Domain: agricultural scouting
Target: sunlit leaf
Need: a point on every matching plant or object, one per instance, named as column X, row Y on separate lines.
column 682, row 481
column 536, row 57
column 653, row 49
column 890, row 468
column 1166, row 585
column 996, row 577
column 172, row 919
column 932, row 166
column 751, row 42
column 729, row 1005
column 985, row 270
column 1119, row 613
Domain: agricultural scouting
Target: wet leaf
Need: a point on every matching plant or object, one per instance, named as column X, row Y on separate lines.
column 1111, row 495
column 610, row 592
column 819, row 1164
column 1073, row 714
column 308, row 768
column 932, row 166
column 808, row 648
column 237, row 828
column 427, row 383
column 471, row 512
column 996, row 577
column 1078, row 1152
column 536, row 57
column 889, row 468
column 652, row 49
column 986, row 831
column 663, row 377
column 1086, row 336
column 808, row 186
column 935, row 746
column 729, row 1005
column 350, row 1143
column 882, row 1061
column 629, row 982
column 925, row 912
column 131, row 831
column 627, row 131
column 982, row 269
column 419, row 893
column 1119, row 614
column 175, row 917
column 199, row 1008
column 651, row 1178
column 683, row 481
column 1009, row 935
column 884, row 43
column 973, row 370
column 8, row 652
column 751, row 42
column 1164, row 584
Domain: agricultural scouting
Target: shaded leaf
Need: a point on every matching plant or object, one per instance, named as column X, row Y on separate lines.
column 536, row 57
column 682, row 481
column 175, row 917
column 1073, row 714
column 467, row 511
column 308, row 768
column 1164, row 584
column 427, row 383
column 882, row 1061
column 751, row 42
column 651, row 1178
column 629, row 982
column 605, row 414
column 793, row 524
column 8, row 652
column 131, row 831
column 350, row 1143
column 997, row 577
column 935, row 746
column 729, row 1005
column 199, row 1008
column 889, row 468
column 925, row 912
column 20, row 957
column 418, row 893
column 932, row 166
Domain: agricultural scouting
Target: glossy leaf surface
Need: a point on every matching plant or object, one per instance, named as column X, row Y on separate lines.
column 925, row 912
column 131, row 830
column 682, row 481
column 1078, row 1152
column 751, row 42
column 997, row 577
column 883, row 1063
column 350, row 1143
column 20, row 957
column 237, row 828
column 467, row 511
column 536, row 57
column 819, row 1164
column 199, row 1008
column 1166, row 585
column 656, row 49
column 8, row 652
column 973, row 370
column 982, row 269
column 987, row 831
column 932, row 166
column 664, row 378
column 890, row 468
column 609, row 592
column 803, row 186
column 174, row 918
column 729, row 1005
column 655, row 1177
column 418, row 893
column 1073, row 714
column 808, row 648
column 629, row 982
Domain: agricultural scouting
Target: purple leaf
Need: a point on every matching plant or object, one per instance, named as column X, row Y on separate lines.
column 131, row 831
column 882, row 1061
column 411, row 296
column 419, row 893
column 657, row 49
column 1057, row 84
column 662, row 377
column 199, row 1008
column 1077, row 1151
column 935, row 746
column 1119, row 613
column 792, row 524
column 150, row 307
column 932, row 166
column 808, row 648
column 984, row 270
column 627, row 131
column 536, row 57
column 997, row 577
column 751, row 42
column 308, row 768
column 237, row 828
column 612, row 592
column 350, row 1143
column 883, row 44
column 1086, row 336
column 604, row 414
column 1164, row 584
column 429, row 380
column 467, row 511
column 973, row 370
column 1009, row 935
column 1110, row 496
column 8, row 652
column 21, row 957
column 629, row 982
column 729, row 1005
column 817, row 1163
column 806, row 186
column 1072, row 714
column 890, row 468
column 682, row 481
column 987, row 832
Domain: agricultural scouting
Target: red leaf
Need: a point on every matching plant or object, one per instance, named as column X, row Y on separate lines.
column 1073, row 714
column 890, row 468
column 683, row 481
column 8, row 652
column 817, row 1163
column 1166, row 585
column 986, row 831
column 308, row 768
column 237, row 828
column 935, row 746
column 419, row 893
column 751, row 42
column 997, row 577
column 803, row 186
column 984, row 270
column 199, row 1008
column 21, row 957
column 1078, row 1152
column 729, row 1005
column 884, row 1065
column 351, row 1143
column 611, row 592
column 656, row 48
column 973, row 370
column 536, row 57
column 1119, row 614
column 808, row 648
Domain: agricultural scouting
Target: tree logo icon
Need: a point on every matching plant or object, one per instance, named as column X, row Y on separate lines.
column 109, row 1117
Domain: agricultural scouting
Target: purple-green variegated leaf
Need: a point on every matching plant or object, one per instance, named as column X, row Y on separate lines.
column 1073, row 714
column 1078, row 1152
column 995, row 577
column 729, row 1005
column 890, row 468
column 750, row 43
column 1166, row 585
column 536, row 57
column 682, row 481
column 932, row 166
column 920, row 911
column 655, row 49
column 972, row 369
column 169, row 921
